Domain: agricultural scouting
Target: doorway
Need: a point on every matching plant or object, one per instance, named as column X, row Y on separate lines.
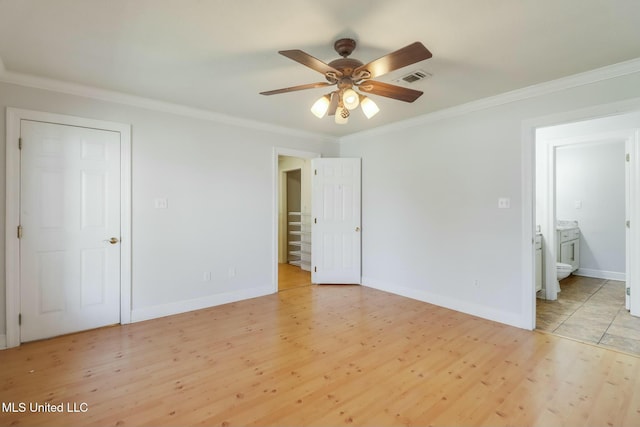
column 295, row 265
column 68, row 197
column 293, row 218
column 583, row 182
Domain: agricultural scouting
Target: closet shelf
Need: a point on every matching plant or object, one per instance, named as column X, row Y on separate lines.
column 299, row 239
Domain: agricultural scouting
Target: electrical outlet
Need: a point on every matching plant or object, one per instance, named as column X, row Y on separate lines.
column 504, row 203
column 232, row 272
column 206, row 276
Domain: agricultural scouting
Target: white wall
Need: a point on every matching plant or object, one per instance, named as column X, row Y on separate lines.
column 431, row 228
column 218, row 179
column 594, row 175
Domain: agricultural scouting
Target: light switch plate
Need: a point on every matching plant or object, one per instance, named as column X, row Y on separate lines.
column 504, row 203
column 161, row 203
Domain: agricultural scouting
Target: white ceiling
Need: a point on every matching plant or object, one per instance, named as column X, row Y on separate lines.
column 218, row 55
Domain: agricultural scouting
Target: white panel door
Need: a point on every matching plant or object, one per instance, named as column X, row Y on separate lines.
column 335, row 233
column 69, row 212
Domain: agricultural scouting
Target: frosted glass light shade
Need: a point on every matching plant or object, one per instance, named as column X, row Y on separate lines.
column 320, row 107
column 342, row 116
column 369, row 108
column 350, row 99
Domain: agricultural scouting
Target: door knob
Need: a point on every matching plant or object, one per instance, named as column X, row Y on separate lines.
column 113, row 240
column 357, row 229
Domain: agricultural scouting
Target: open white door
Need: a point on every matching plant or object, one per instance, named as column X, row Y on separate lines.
column 335, row 237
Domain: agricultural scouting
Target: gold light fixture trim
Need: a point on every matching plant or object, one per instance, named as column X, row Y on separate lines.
column 348, row 99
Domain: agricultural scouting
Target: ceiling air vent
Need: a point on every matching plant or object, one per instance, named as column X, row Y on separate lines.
column 414, row 76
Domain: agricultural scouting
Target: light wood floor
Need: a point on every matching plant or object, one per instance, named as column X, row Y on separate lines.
column 324, row 356
column 290, row 276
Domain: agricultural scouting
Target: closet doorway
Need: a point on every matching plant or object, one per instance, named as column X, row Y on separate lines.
column 294, row 222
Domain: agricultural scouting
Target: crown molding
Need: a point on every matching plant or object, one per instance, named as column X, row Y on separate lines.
column 593, row 76
column 552, row 86
column 150, row 104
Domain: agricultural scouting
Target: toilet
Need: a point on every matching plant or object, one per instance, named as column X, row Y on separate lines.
column 563, row 270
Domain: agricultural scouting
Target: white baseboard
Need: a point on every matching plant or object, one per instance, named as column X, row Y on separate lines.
column 512, row 319
column 153, row 312
column 601, row 274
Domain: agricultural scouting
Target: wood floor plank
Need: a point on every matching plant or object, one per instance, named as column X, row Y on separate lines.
column 291, row 276
column 321, row 355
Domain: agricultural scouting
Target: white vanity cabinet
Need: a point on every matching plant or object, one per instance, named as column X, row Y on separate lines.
column 568, row 250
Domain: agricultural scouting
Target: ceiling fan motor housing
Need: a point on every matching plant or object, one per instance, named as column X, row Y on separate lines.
column 345, row 66
column 344, row 47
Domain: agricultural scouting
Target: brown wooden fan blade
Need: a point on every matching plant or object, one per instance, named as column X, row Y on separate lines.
column 311, row 62
column 294, row 88
column 333, row 106
column 390, row 91
column 408, row 55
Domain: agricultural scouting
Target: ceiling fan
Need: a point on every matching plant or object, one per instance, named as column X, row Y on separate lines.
column 348, row 74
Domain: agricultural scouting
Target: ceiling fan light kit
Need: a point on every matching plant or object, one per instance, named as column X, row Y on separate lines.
column 348, row 74
column 320, row 107
column 342, row 116
column 369, row 108
column 350, row 99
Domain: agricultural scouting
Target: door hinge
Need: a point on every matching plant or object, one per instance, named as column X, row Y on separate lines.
column 628, row 157
column 629, row 291
column 315, row 220
column 19, row 143
column 19, row 232
column 315, row 269
column 315, row 171
column 628, row 223
column 19, row 319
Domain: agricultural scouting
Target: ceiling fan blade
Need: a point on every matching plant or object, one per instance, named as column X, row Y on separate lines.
column 389, row 90
column 408, row 55
column 310, row 61
column 294, row 88
column 333, row 106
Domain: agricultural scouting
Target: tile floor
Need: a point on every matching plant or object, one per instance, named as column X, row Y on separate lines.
column 591, row 310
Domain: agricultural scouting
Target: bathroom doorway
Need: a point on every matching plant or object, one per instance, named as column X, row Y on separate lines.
column 584, row 181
